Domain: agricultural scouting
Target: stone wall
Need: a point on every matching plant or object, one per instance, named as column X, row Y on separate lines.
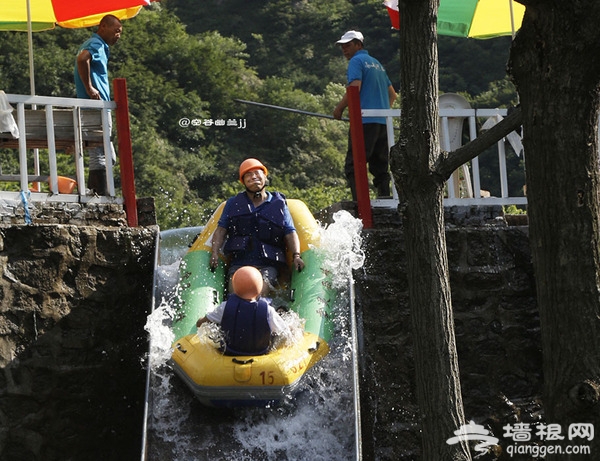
column 497, row 330
column 75, row 298
column 12, row 212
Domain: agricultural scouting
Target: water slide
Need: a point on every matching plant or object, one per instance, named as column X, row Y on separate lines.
column 321, row 421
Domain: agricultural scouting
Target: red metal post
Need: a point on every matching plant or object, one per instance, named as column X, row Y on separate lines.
column 125, row 151
column 360, row 158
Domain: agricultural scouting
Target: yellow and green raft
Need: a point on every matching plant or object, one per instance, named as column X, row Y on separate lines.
column 223, row 380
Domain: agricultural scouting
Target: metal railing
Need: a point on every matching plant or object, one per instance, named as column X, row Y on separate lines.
column 72, row 125
column 470, row 174
column 57, row 124
column 90, row 126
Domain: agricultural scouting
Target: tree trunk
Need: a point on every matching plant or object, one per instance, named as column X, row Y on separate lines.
column 413, row 158
column 555, row 62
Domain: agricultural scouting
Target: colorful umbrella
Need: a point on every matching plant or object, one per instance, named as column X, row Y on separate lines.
column 471, row 18
column 36, row 15
column 45, row 14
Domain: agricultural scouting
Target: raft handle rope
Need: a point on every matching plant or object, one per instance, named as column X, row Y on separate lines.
column 242, row 362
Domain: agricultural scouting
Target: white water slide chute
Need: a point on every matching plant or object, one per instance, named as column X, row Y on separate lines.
column 315, row 423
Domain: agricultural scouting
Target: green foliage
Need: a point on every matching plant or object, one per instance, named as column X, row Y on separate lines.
column 289, row 39
column 513, row 209
column 467, row 65
column 185, row 59
column 500, row 93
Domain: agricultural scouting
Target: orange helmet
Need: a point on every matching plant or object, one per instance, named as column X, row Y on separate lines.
column 247, row 282
column 251, row 164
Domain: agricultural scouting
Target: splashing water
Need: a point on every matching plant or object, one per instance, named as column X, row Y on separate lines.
column 313, row 424
column 342, row 242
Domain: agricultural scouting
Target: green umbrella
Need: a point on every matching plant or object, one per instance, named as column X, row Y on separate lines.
column 471, row 18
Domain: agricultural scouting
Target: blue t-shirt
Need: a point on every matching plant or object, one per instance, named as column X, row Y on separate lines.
column 374, row 83
column 99, row 51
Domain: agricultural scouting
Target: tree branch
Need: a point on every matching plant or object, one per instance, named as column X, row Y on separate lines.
column 450, row 161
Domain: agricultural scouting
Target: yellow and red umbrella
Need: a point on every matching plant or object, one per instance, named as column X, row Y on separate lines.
column 36, row 15
column 45, row 14
column 471, row 18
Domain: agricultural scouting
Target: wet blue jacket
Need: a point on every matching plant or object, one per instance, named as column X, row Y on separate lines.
column 256, row 236
column 246, row 326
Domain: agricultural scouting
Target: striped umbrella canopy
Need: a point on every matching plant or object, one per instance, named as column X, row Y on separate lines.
column 37, row 15
column 45, row 14
column 471, row 18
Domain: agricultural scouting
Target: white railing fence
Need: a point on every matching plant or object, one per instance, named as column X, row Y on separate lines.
column 71, row 125
column 57, row 125
column 464, row 188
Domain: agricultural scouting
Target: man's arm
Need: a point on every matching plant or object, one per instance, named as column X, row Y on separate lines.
column 277, row 324
column 84, row 60
column 339, row 109
column 201, row 321
column 217, row 242
column 391, row 94
column 292, row 242
column 214, row 316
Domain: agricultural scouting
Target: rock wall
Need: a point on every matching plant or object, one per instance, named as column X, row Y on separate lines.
column 497, row 330
column 72, row 340
column 75, row 297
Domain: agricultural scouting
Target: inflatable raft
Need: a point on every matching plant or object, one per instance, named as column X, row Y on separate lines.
column 227, row 381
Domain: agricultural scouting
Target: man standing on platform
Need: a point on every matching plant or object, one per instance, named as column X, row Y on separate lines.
column 376, row 92
column 91, row 82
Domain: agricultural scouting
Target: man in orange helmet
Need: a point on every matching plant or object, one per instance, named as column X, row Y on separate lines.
column 258, row 227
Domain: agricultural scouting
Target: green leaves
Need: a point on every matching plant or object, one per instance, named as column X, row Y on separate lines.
column 186, row 62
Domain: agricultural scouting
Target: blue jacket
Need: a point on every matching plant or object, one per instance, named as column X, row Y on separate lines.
column 256, row 236
column 246, row 326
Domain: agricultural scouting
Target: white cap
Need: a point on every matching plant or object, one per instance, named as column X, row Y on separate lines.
column 349, row 36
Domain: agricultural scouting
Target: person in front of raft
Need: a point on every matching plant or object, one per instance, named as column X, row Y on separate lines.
column 91, row 82
column 247, row 320
column 257, row 228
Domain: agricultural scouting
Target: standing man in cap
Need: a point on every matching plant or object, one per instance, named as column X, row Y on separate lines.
column 376, row 92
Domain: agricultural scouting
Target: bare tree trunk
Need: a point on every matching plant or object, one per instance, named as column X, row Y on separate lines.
column 413, row 159
column 555, row 61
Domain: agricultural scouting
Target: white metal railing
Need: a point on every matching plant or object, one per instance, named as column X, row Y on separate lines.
column 470, row 173
column 90, row 119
